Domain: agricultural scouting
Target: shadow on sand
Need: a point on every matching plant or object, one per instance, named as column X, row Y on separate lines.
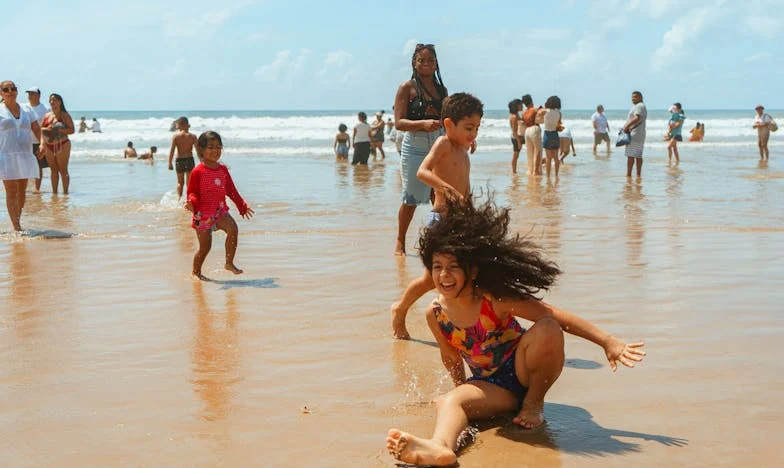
column 262, row 283
column 570, row 429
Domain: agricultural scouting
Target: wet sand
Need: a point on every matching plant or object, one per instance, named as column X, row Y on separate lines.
column 111, row 354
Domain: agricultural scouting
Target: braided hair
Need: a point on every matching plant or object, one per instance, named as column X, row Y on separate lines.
column 508, row 266
column 438, row 80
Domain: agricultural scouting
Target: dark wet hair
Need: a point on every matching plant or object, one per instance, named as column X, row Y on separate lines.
column 680, row 108
column 342, row 127
column 508, row 265
column 528, row 100
column 553, row 102
column 59, row 98
column 637, row 93
column 130, row 144
column 458, row 106
column 153, row 149
column 362, row 116
column 513, row 105
column 182, row 120
column 439, row 82
column 205, row 139
column 599, row 107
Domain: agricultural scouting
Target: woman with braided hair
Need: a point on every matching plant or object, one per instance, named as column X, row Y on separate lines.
column 418, row 114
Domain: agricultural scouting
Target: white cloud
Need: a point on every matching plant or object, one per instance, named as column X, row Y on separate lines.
column 675, row 40
column 654, row 8
column 584, row 54
column 758, row 56
column 285, row 67
column 198, row 25
column 408, row 47
column 765, row 26
column 338, row 67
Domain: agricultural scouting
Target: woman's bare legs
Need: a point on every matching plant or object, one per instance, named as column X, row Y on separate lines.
column 62, row 157
column 15, row 200
column 404, row 216
column 474, row 400
column 54, row 170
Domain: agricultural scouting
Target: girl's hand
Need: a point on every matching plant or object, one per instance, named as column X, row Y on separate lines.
column 248, row 213
column 627, row 354
column 431, row 125
column 189, row 206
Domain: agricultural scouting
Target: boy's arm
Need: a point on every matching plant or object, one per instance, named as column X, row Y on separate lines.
column 533, row 309
column 425, row 172
column 450, row 357
column 232, row 192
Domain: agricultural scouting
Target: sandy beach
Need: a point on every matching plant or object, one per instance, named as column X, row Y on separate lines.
column 112, row 355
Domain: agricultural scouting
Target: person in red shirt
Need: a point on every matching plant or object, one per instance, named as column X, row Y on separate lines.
column 208, row 187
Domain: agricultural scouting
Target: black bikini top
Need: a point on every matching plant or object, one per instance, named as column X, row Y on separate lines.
column 424, row 106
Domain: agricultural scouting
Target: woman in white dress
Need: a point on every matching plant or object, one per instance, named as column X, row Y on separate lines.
column 17, row 163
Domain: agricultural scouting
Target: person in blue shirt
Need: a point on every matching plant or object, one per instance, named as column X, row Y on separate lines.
column 675, row 132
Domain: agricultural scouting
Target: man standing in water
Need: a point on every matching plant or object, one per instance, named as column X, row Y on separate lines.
column 601, row 128
column 635, row 125
column 39, row 110
column 762, row 123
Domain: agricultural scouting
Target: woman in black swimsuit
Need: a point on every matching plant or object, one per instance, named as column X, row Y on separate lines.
column 418, row 113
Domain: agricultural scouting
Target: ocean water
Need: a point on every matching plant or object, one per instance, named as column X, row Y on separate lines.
column 293, row 133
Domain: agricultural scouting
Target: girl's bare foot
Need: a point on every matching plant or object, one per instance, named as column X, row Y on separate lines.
column 232, row 268
column 400, row 249
column 199, row 276
column 399, row 322
column 415, row 450
column 531, row 416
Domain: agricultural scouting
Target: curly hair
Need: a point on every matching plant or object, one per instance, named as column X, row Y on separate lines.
column 553, row 102
column 508, row 266
column 458, row 106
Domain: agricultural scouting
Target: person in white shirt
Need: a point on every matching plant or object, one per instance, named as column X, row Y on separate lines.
column 39, row 110
column 601, row 129
column 762, row 123
column 96, row 128
column 361, row 140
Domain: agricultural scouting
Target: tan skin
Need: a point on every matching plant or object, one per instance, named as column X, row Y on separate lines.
column 672, row 146
column 539, row 359
column 57, row 135
column 425, row 67
column 15, row 189
column 446, row 168
column 210, row 156
column 377, row 126
column 183, row 142
column 636, row 98
column 514, row 124
column 762, row 138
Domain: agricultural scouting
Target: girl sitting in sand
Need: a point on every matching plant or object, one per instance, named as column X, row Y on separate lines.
column 486, row 278
column 209, row 185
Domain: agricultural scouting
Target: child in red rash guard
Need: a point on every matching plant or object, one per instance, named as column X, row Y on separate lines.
column 208, row 187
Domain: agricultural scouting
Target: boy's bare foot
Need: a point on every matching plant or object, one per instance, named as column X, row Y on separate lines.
column 199, row 276
column 417, row 451
column 399, row 322
column 400, row 249
column 232, row 268
column 531, row 416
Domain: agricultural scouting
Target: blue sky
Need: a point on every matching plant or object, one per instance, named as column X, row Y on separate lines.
column 290, row 54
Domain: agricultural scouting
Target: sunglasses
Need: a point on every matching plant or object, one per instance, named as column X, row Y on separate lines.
column 9, row 89
column 424, row 46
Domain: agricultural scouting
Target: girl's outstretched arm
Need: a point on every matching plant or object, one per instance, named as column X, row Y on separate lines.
column 232, row 192
column 449, row 355
column 534, row 310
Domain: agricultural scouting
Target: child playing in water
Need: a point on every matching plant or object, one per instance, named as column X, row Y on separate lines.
column 486, row 278
column 445, row 168
column 149, row 155
column 209, row 185
column 183, row 141
column 340, row 145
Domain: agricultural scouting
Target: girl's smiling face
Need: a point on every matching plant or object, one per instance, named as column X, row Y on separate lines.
column 448, row 276
column 212, row 152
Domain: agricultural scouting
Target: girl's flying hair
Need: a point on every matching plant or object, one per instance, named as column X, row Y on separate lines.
column 508, row 266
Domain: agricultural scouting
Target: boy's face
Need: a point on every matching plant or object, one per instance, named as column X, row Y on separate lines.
column 463, row 132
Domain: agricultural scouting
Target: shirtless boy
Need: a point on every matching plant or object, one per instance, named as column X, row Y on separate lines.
column 446, row 169
column 183, row 141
